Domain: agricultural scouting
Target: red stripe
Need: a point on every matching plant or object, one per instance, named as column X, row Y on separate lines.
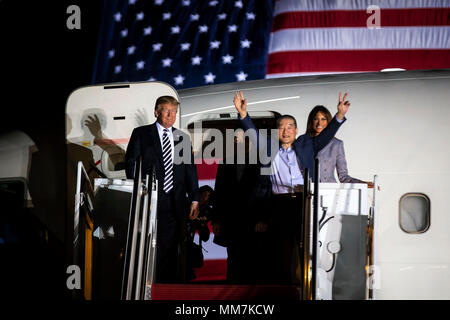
column 356, row 60
column 206, row 171
column 112, row 141
column 353, row 18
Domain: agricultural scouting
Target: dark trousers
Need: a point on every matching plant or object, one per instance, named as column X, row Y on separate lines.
column 167, row 240
column 284, row 234
column 240, row 266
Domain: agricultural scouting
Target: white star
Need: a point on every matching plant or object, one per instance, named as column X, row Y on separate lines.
column 227, row 59
column 186, row 3
column 124, row 33
column 222, row 16
column 250, row 16
column 131, row 1
column 209, row 78
column 157, row 46
column 203, row 28
column 140, row 16
column 166, row 62
column 147, row 31
column 167, row 15
column 196, row 60
column 140, row 65
column 214, row 44
column 241, row 76
column 179, row 79
column 158, row 2
column 195, row 17
column 245, row 43
column 131, row 50
column 232, row 28
column 117, row 69
column 111, row 53
column 117, row 16
column 213, row 3
column 238, row 4
column 175, row 29
column 185, row 46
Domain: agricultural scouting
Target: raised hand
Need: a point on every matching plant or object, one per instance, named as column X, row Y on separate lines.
column 343, row 106
column 240, row 104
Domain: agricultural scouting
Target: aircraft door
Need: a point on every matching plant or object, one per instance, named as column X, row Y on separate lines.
column 101, row 118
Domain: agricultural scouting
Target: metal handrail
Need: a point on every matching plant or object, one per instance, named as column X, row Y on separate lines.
column 315, row 229
column 305, row 239
column 140, row 254
column 370, row 236
column 83, row 199
column 152, row 237
column 128, row 271
column 79, row 200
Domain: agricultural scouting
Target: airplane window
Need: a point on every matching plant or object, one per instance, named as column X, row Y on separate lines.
column 414, row 213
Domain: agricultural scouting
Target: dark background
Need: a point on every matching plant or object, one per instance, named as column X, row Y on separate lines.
column 41, row 63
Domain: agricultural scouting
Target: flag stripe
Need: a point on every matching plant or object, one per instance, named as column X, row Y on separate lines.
column 298, row 74
column 356, row 60
column 360, row 39
column 346, row 18
column 315, row 5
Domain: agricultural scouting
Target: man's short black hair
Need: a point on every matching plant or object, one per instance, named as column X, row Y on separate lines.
column 286, row 116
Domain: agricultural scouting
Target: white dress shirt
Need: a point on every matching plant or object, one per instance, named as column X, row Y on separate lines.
column 286, row 173
column 169, row 134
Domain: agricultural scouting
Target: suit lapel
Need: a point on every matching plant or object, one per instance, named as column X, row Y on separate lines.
column 177, row 137
column 156, row 142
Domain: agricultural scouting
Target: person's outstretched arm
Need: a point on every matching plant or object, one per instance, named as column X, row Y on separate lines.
column 321, row 140
column 240, row 103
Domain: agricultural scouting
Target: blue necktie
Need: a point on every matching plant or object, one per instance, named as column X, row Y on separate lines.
column 167, row 161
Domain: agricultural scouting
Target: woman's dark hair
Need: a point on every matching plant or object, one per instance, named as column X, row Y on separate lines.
column 309, row 126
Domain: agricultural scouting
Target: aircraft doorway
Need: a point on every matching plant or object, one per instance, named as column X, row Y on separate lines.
column 231, row 245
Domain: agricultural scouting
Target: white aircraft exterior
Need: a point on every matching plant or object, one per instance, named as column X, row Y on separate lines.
column 397, row 128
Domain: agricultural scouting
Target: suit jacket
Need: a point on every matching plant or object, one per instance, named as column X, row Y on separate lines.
column 145, row 142
column 333, row 157
column 234, row 208
column 305, row 146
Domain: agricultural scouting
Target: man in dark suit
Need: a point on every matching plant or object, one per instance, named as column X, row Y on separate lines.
column 176, row 174
column 233, row 219
column 284, row 184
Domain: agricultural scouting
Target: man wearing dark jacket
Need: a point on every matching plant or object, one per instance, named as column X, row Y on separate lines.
column 283, row 183
column 156, row 144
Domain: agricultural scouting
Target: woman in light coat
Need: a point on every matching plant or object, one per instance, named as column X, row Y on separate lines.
column 332, row 157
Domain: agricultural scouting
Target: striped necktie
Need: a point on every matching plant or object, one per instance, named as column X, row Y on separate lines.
column 167, row 160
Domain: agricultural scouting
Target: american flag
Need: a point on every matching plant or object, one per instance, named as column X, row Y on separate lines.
column 185, row 43
column 325, row 36
column 189, row 43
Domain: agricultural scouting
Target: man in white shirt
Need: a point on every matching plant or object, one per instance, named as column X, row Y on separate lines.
column 282, row 189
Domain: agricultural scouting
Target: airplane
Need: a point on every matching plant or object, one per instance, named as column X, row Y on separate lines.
column 395, row 135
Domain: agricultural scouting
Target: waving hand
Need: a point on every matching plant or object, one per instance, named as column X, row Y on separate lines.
column 240, row 103
column 343, row 106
